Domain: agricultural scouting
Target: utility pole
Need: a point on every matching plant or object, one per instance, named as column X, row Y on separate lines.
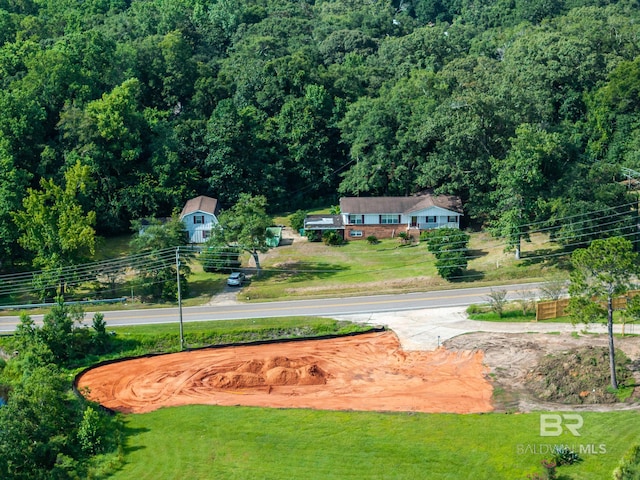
column 179, row 297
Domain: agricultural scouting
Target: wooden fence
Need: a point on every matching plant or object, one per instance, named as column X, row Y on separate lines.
column 556, row 308
column 551, row 309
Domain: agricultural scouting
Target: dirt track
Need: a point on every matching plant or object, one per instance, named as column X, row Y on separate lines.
column 365, row 372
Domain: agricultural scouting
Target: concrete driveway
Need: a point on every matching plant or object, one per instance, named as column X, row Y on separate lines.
column 427, row 329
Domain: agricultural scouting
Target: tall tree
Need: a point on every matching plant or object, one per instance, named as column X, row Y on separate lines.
column 237, row 160
column 12, row 182
column 111, row 134
column 160, row 242
column 601, row 272
column 55, row 226
column 520, row 180
column 310, row 145
column 37, row 428
column 596, row 207
column 614, row 115
column 245, row 226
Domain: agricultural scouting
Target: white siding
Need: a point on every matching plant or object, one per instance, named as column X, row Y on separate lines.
column 199, row 232
column 432, row 217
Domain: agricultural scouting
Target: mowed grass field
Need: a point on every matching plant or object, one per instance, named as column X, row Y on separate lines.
column 209, row 442
column 299, row 268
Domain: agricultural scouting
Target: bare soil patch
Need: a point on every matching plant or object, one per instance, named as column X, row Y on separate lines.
column 512, row 359
column 364, row 372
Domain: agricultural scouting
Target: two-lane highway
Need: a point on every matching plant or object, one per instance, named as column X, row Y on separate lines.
column 318, row 307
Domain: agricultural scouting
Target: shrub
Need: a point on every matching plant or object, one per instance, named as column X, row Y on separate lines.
column 473, row 308
column 313, row 236
column 297, row 220
column 553, row 289
column 332, row 238
column 100, row 337
column 449, row 246
column 549, row 468
column 565, row 456
column 450, row 264
column 372, row 240
column 405, row 238
column 629, row 466
column 497, row 300
column 89, row 432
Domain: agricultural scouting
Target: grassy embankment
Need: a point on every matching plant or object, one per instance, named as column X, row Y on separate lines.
column 143, row 339
column 136, row 340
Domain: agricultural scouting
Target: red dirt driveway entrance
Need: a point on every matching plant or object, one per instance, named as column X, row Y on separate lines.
column 363, row 372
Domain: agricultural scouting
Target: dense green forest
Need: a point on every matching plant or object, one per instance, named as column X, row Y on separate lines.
column 527, row 109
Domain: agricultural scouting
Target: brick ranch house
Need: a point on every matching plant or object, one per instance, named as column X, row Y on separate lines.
column 386, row 217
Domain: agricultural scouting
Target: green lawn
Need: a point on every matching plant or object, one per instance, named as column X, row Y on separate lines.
column 207, row 442
column 165, row 337
column 306, row 269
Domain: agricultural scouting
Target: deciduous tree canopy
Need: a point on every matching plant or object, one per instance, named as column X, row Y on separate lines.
column 300, row 101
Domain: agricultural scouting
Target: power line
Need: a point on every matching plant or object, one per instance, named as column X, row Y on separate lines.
column 74, row 276
column 564, row 219
column 149, row 262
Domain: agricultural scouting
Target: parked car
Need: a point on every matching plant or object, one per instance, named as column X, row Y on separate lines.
column 236, row 279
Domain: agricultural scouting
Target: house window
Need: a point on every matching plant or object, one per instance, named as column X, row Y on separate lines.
column 389, row 219
column 198, row 219
column 452, row 219
column 356, row 219
column 355, row 233
column 431, row 220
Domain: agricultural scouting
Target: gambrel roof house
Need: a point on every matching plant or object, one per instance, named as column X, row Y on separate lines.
column 199, row 216
column 386, row 217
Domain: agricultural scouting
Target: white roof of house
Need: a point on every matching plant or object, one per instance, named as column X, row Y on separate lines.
column 320, row 221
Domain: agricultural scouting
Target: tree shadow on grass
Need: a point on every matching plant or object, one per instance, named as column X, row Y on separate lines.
column 469, row 275
column 476, row 253
column 128, row 434
column 547, row 257
column 297, row 271
column 206, row 286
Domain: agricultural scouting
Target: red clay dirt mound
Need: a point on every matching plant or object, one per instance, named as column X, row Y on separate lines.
column 364, row 372
column 269, row 372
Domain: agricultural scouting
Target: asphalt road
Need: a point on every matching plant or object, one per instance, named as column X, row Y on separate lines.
column 319, row 307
